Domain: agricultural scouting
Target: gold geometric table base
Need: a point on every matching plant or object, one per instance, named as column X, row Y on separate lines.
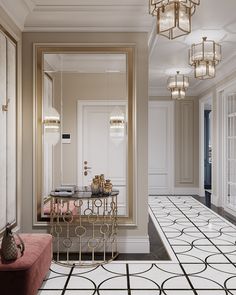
column 84, row 228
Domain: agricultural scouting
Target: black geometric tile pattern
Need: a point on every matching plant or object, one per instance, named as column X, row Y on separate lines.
column 203, row 243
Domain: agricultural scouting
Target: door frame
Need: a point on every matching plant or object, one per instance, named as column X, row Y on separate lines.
column 80, row 105
column 221, row 185
column 171, row 164
column 202, row 102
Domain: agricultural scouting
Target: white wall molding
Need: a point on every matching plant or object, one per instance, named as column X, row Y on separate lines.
column 161, row 147
column 136, row 244
column 133, row 244
column 186, row 190
column 220, row 194
column 215, row 200
column 184, row 143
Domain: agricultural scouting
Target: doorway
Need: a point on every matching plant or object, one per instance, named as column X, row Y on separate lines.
column 100, row 148
column 205, row 145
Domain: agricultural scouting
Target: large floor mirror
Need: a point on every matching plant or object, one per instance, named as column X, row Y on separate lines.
column 84, row 123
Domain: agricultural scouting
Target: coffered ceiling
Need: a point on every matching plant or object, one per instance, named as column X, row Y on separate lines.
column 215, row 19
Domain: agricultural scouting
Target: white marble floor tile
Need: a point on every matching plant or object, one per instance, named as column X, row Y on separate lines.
column 155, row 277
column 208, row 275
column 113, row 292
column 56, row 282
column 212, row 292
column 80, row 282
column 49, row 292
column 79, row 292
column 203, row 282
column 217, row 258
column 99, row 276
column 173, row 268
column 60, row 269
column 178, row 292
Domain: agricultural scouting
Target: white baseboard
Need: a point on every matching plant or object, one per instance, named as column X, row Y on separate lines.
column 139, row 244
column 136, row 244
column 186, row 190
column 215, row 200
column 201, row 192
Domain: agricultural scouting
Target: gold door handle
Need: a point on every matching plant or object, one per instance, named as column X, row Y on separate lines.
column 87, row 168
column 5, row 106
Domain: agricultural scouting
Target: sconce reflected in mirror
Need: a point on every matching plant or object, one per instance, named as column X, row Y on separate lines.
column 117, row 124
column 51, row 124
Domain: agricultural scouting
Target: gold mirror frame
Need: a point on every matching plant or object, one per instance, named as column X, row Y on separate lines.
column 39, row 51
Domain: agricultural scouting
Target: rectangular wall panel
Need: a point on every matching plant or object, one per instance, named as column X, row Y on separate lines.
column 11, row 132
column 3, row 115
column 8, row 204
column 185, row 142
column 160, row 144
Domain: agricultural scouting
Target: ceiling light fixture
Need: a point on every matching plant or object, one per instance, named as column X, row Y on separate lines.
column 204, row 57
column 173, row 16
column 178, row 85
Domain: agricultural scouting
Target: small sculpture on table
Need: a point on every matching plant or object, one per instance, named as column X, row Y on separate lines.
column 101, row 186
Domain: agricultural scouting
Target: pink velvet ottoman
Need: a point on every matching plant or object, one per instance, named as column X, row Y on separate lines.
column 25, row 275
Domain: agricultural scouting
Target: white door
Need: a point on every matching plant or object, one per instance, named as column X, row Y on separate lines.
column 160, row 147
column 230, row 199
column 98, row 151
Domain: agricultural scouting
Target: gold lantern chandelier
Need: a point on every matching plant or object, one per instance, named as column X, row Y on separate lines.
column 173, row 16
column 178, row 85
column 204, row 57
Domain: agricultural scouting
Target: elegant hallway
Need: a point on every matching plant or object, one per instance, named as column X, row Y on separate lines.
column 201, row 244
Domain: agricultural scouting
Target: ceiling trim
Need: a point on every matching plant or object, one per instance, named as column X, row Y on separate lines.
column 17, row 11
column 163, row 91
column 91, row 29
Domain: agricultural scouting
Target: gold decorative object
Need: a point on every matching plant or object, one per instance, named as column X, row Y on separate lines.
column 108, row 187
column 204, row 57
column 101, row 186
column 173, row 16
column 84, row 228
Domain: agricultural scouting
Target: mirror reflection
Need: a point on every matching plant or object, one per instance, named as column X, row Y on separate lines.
column 85, row 116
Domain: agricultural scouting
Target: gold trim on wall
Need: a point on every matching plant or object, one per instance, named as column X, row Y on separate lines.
column 39, row 51
column 10, row 38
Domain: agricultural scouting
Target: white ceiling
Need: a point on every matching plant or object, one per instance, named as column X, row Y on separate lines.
column 215, row 19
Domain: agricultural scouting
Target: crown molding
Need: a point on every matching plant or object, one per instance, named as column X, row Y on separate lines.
column 17, row 10
column 163, row 91
column 92, row 29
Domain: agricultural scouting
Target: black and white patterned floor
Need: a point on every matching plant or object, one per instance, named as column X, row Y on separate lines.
column 202, row 246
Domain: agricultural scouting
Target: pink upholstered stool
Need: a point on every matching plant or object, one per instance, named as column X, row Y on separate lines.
column 25, row 275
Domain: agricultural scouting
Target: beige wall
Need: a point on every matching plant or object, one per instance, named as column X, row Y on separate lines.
column 7, row 24
column 140, row 40
column 186, row 141
column 75, row 86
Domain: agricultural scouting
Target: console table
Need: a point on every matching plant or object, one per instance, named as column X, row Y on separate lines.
column 84, row 227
